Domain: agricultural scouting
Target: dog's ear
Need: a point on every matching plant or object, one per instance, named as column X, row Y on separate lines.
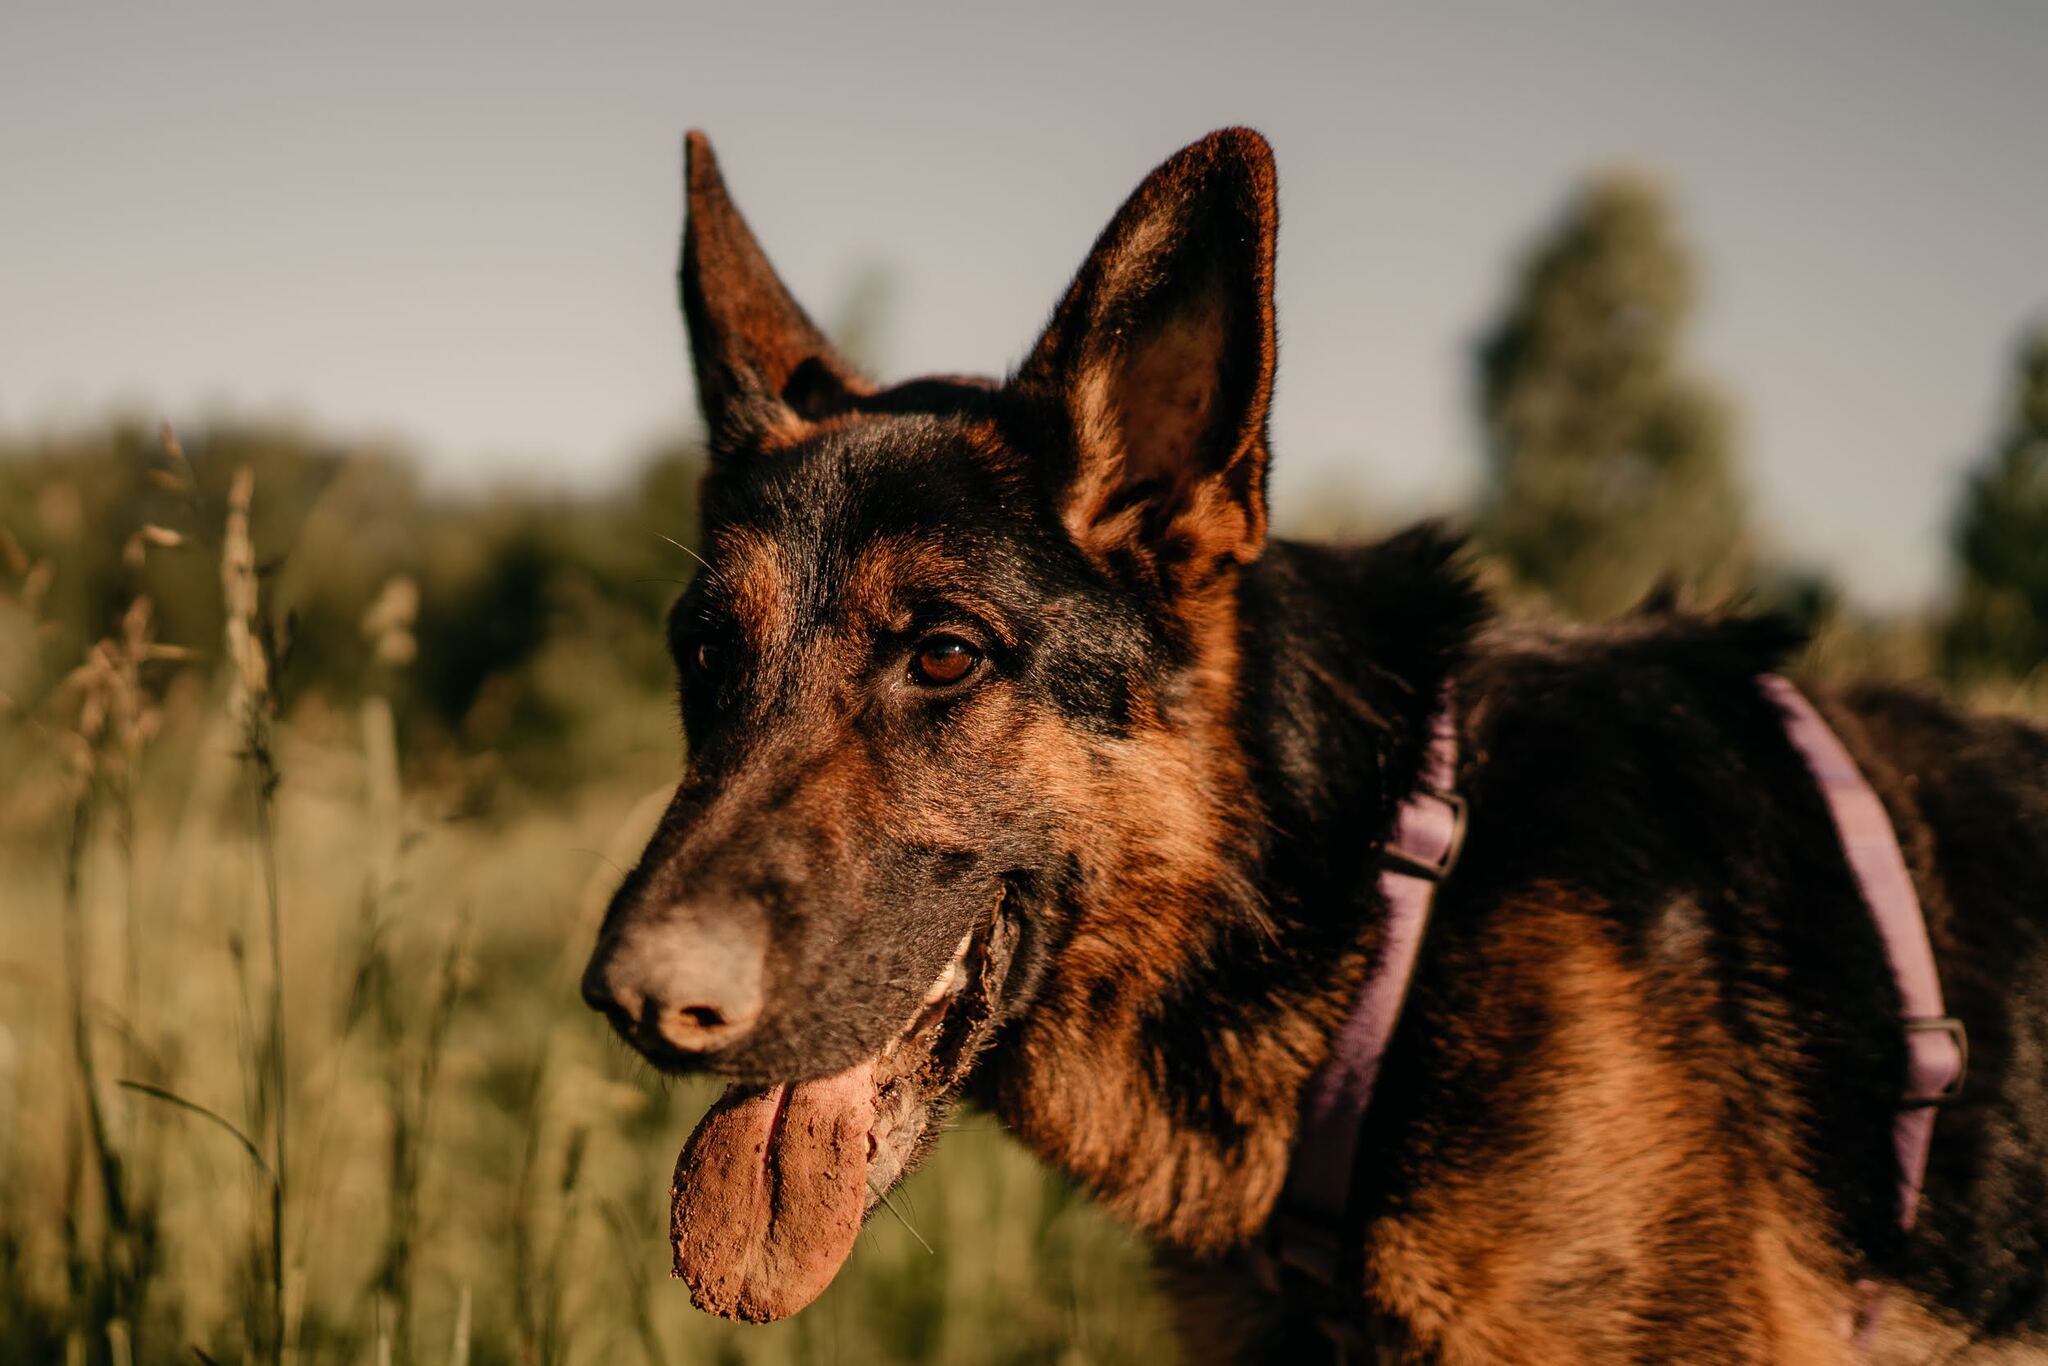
column 1159, row 363
column 764, row 370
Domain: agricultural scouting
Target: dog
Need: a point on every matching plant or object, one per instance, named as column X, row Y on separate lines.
column 1026, row 767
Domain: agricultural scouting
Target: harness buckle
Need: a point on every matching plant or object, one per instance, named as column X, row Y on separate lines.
column 1395, row 858
column 1959, row 1037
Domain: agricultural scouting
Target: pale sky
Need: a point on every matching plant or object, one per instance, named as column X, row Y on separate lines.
column 456, row 224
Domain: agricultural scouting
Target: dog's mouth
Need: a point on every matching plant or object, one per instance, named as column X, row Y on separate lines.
column 773, row 1186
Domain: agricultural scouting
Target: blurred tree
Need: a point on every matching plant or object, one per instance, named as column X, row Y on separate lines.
column 539, row 611
column 1612, row 469
column 2000, row 625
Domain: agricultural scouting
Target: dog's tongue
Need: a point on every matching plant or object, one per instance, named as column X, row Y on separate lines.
column 769, row 1194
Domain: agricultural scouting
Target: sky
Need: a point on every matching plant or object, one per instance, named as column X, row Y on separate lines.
column 454, row 225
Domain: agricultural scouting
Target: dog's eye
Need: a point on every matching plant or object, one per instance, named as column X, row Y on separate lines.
column 943, row 661
column 706, row 658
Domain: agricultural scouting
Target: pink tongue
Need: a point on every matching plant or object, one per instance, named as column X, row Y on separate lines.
column 769, row 1194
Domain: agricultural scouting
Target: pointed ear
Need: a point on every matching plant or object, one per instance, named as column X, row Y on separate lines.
column 1160, row 361
column 764, row 370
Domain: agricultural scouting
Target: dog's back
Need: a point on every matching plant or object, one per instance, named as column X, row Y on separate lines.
column 1653, row 1056
column 1643, row 1092
column 1976, row 809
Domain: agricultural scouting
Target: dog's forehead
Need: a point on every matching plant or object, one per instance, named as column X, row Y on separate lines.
column 850, row 477
column 861, row 517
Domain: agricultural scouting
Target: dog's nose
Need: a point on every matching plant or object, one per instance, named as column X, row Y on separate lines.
column 693, row 976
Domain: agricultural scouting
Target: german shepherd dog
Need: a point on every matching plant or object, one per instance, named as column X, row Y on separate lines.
column 1026, row 767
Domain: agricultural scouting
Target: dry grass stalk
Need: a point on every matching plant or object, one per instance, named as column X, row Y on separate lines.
column 248, row 661
column 251, row 670
column 412, row 1084
column 113, row 718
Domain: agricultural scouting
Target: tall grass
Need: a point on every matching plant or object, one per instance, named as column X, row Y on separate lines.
column 292, row 1067
column 360, row 783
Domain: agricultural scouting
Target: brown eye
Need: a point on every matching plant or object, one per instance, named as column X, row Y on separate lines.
column 943, row 660
column 707, row 658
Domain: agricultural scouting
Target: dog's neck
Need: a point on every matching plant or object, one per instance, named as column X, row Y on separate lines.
column 1209, row 965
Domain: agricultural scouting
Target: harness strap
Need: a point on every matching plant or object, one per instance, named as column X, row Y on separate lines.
column 1936, row 1046
column 1309, row 1231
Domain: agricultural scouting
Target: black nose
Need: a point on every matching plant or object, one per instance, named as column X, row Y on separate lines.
column 690, row 975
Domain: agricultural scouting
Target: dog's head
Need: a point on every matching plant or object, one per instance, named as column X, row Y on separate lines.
column 948, row 661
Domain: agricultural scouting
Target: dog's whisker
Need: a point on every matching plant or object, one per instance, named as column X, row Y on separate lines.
column 890, row 1205
column 686, row 550
column 598, row 854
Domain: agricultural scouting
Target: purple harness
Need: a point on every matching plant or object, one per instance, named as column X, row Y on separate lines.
column 1309, row 1232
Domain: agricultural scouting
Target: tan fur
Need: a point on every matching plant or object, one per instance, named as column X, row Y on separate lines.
column 1153, row 819
column 1623, row 1144
column 758, row 584
column 890, row 571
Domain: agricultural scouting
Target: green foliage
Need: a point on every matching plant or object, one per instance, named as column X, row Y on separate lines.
column 1611, row 468
column 1999, row 627
column 532, row 604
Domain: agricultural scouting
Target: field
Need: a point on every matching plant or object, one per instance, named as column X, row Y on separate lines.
column 315, row 786
column 468, row 1168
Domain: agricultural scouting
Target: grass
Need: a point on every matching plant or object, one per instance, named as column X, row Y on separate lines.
column 292, row 1063
column 293, row 1069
